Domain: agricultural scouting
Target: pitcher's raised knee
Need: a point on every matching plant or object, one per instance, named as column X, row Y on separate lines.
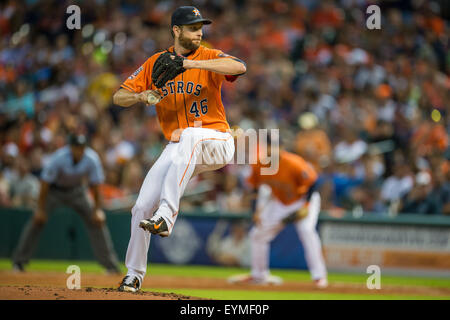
column 140, row 210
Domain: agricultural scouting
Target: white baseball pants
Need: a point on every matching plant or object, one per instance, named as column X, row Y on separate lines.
column 198, row 150
column 270, row 225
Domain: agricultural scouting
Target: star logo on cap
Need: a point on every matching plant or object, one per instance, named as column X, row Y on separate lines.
column 196, row 12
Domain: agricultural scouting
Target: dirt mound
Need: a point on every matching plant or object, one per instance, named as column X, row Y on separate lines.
column 53, row 293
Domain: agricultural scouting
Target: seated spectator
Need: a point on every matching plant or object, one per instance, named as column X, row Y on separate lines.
column 5, row 199
column 9, row 156
column 382, row 136
column 113, row 196
column 367, row 197
column 421, row 199
column 328, row 200
column 351, row 148
column 397, row 185
column 231, row 198
column 387, row 107
column 232, row 250
column 440, row 171
column 25, row 187
column 344, row 180
column 120, row 151
column 429, row 137
column 132, row 177
column 444, row 195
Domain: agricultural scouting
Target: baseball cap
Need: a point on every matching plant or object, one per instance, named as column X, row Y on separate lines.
column 77, row 140
column 187, row 15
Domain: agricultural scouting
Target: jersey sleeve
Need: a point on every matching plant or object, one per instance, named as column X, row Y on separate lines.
column 217, row 77
column 307, row 176
column 141, row 79
column 50, row 170
column 96, row 175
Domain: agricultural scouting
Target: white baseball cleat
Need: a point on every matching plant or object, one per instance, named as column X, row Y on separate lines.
column 321, row 283
column 249, row 279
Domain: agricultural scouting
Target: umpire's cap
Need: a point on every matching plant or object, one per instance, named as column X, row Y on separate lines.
column 187, row 15
column 77, row 140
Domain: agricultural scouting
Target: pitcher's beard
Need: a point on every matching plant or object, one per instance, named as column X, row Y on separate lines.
column 187, row 43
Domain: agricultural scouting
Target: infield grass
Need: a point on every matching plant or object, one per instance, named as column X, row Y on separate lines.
column 281, row 295
column 222, row 272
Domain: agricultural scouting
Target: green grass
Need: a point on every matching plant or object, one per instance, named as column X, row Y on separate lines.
column 222, row 272
column 56, row 265
column 282, row 295
column 295, row 275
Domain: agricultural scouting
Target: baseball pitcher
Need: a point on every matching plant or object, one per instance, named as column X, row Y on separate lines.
column 184, row 83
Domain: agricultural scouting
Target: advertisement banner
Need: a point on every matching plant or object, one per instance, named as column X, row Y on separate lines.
column 350, row 245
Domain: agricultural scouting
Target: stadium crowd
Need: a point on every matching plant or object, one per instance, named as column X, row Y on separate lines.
column 369, row 108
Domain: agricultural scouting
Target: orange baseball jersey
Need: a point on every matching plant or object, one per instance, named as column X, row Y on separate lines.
column 194, row 95
column 292, row 181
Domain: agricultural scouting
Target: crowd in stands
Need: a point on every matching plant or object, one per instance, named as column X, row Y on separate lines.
column 370, row 109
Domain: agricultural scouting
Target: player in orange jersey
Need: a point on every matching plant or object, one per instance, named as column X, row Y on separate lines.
column 287, row 196
column 192, row 118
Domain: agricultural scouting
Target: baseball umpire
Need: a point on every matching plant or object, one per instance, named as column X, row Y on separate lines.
column 62, row 184
column 184, row 83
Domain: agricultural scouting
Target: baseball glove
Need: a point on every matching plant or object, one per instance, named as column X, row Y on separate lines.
column 166, row 67
column 295, row 216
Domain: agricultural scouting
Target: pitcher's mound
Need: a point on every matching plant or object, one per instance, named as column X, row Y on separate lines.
column 52, row 293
